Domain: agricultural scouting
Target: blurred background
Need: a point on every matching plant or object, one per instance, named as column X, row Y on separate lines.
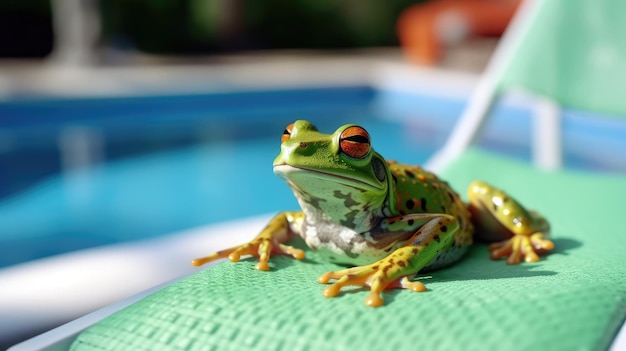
column 122, row 32
column 200, row 27
column 130, row 130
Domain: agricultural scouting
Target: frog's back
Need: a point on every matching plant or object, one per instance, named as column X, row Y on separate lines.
column 420, row 191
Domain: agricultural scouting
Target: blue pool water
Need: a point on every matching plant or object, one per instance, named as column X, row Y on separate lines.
column 76, row 174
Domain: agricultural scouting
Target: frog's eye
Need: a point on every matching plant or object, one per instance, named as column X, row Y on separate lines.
column 287, row 133
column 355, row 142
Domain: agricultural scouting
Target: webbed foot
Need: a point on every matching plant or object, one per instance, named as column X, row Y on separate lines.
column 270, row 241
column 371, row 275
column 521, row 246
column 261, row 248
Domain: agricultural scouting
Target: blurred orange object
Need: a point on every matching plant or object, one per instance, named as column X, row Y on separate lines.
column 425, row 29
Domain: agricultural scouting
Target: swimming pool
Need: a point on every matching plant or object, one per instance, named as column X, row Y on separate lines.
column 80, row 173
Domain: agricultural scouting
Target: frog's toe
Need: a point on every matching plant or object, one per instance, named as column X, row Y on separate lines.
column 261, row 248
column 346, row 277
column 414, row 286
column 335, row 288
column 264, row 250
column 356, row 276
column 227, row 253
column 379, row 282
column 374, row 300
column 291, row 251
column 501, row 249
column 510, row 249
column 255, row 248
column 541, row 243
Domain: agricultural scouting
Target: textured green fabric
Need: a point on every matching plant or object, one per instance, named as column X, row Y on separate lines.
column 573, row 299
column 574, row 52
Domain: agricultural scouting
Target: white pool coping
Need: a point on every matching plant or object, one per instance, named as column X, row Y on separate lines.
column 84, row 279
column 255, row 72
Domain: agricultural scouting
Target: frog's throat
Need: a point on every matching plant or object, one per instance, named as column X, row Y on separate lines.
column 284, row 170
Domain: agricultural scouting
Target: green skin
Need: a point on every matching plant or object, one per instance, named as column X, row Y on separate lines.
column 388, row 220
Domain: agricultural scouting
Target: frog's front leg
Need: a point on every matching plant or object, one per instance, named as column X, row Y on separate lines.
column 518, row 233
column 391, row 272
column 270, row 241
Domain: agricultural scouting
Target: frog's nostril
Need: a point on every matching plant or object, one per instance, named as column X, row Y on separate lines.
column 304, row 145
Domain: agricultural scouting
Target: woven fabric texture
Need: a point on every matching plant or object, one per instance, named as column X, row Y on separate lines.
column 575, row 298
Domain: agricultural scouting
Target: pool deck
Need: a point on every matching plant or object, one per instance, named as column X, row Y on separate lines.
column 142, row 74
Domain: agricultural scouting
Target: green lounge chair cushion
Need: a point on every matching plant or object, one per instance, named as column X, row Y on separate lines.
column 575, row 298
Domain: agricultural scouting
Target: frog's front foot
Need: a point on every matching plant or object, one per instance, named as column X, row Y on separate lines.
column 521, row 246
column 261, row 248
column 270, row 241
column 371, row 275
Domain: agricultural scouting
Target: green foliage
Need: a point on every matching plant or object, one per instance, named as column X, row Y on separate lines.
column 32, row 6
column 188, row 26
column 205, row 26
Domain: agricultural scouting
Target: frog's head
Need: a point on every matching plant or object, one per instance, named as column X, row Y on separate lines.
column 337, row 171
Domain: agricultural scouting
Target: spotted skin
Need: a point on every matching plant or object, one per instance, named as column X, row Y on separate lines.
column 418, row 190
column 386, row 220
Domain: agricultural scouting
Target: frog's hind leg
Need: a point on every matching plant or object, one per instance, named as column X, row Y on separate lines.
column 390, row 272
column 516, row 233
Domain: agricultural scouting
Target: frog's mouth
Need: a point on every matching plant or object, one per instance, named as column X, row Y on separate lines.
column 292, row 172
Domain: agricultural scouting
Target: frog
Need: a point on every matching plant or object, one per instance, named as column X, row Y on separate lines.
column 382, row 220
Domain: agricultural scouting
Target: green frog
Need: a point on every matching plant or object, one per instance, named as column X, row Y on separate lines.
column 385, row 220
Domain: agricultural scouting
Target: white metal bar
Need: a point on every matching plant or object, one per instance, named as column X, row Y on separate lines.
column 546, row 136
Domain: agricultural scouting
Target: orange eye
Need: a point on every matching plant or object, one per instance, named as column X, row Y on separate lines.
column 355, row 142
column 287, row 133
